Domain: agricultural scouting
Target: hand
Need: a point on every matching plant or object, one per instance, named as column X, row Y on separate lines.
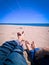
column 28, row 45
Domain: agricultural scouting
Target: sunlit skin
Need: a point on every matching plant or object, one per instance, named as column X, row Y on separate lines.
column 30, row 46
column 20, row 36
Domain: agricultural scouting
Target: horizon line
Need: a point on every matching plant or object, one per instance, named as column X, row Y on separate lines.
column 27, row 24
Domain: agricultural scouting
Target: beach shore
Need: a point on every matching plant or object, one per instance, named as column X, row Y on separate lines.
column 40, row 35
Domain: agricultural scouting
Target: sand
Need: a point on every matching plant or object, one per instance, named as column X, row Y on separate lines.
column 40, row 35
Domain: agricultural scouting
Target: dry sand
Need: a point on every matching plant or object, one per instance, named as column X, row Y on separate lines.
column 40, row 35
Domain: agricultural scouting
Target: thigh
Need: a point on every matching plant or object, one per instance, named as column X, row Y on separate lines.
column 15, row 59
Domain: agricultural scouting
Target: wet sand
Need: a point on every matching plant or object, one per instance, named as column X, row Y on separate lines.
column 40, row 35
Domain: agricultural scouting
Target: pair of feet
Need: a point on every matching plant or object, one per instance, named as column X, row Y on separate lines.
column 29, row 46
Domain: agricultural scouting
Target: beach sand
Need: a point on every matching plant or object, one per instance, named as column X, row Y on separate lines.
column 40, row 35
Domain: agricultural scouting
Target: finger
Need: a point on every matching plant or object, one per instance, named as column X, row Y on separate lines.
column 27, row 42
column 32, row 42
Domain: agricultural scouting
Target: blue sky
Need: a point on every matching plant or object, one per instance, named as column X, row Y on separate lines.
column 24, row 11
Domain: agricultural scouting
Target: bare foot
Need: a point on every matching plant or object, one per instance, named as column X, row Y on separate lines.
column 33, row 45
column 28, row 45
column 20, row 36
